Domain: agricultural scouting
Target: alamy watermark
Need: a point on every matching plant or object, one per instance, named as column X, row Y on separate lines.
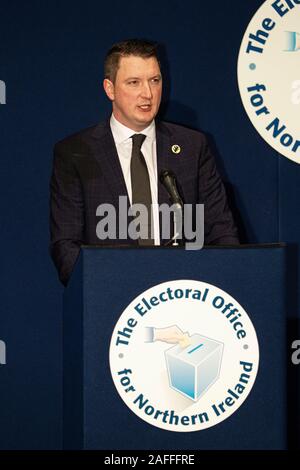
column 178, row 222
column 2, row 92
column 296, row 354
column 2, row 352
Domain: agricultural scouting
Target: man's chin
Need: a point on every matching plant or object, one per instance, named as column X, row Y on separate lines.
column 145, row 120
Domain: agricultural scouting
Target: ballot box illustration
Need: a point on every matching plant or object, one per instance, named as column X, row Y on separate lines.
column 193, row 369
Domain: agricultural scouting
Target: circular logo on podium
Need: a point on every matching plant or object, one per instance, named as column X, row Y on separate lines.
column 184, row 355
column 269, row 75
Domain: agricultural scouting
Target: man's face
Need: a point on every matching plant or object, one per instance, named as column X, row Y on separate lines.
column 136, row 93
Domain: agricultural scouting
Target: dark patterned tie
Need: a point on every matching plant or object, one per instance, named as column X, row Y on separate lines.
column 140, row 183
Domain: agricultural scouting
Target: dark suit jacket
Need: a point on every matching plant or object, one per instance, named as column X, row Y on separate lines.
column 87, row 172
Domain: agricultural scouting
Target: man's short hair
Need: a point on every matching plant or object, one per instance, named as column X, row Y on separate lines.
column 135, row 47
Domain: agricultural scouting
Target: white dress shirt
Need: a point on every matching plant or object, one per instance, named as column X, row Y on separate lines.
column 122, row 137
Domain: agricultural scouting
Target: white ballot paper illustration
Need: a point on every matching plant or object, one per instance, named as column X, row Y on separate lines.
column 192, row 370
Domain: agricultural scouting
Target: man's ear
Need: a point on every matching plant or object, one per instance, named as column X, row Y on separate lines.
column 109, row 88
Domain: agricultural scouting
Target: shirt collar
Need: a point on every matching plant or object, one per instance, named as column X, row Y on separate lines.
column 122, row 133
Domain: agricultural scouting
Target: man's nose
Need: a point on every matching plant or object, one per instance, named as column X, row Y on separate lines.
column 146, row 90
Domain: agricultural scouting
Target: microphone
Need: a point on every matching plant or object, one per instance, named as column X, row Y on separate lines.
column 168, row 179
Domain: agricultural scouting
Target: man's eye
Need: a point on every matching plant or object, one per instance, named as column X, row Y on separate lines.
column 133, row 82
column 156, row 80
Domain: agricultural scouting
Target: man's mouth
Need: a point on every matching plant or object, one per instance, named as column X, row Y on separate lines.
column 145, row 107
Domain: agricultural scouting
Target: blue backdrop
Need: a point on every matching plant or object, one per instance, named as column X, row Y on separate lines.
column 51, row 62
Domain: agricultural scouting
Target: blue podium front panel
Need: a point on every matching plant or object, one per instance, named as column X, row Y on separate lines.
column 104, row 283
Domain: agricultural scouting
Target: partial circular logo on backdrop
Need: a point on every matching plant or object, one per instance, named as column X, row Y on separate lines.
column 184, row 355
column 269, row 75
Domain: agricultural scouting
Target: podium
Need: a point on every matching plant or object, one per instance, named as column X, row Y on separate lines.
column 106, row 280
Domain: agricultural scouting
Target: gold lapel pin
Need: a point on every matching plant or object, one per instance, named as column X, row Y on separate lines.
column 176, row 149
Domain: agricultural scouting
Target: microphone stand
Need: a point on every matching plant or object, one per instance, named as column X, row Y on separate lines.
column 177, row 225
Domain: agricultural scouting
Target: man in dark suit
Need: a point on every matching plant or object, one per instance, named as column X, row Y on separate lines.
column 98, row 165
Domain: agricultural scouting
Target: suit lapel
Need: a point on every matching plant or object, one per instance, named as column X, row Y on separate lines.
column 162, row 148
column 163, row 145
column 105, row 152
